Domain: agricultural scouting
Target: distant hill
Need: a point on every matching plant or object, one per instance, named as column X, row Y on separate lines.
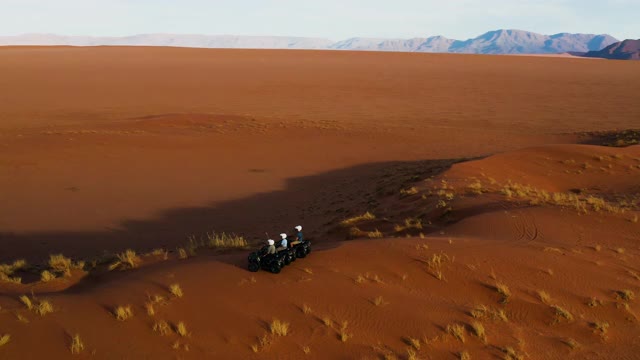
column 623, row 50
column 493, row 42
column 195, row 41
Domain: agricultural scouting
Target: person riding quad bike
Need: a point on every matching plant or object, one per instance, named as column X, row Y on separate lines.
column 286, row 249
column 298, row 237
column 300, row 246
column 284, row 243
column 271, row 248
column 267, row 258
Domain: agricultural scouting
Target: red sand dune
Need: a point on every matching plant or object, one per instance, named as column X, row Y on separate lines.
column 105, row 149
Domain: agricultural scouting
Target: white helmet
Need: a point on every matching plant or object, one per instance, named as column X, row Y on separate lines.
column 270, row 242
column 299, row 228
column 283, row 235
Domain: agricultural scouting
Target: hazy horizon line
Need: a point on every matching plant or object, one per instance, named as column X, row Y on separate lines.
column 298, row 36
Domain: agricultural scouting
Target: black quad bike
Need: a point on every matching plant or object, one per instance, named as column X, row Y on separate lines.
column 302, row 249
column 271, row 262
column 275, row 262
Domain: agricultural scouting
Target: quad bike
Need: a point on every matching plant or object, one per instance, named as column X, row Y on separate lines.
column 302, row 249
column 270, row 262
column 275, row 262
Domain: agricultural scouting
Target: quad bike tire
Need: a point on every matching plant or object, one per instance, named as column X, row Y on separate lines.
column 253, row 267
column 275, row 268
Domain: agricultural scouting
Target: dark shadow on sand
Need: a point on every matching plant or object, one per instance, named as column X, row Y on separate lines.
column 319, row 202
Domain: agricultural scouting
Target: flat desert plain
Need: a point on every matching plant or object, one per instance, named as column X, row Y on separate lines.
column 459, row 206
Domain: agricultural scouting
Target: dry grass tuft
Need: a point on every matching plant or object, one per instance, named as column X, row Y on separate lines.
column 478, row 330
column 149, row 306
column 561, row 313
column 389, row 356
column 357, row 219
column 378, row 301
column 40, row 307
column 21, row 318
column 176, row 346
column 157, row 299
column 550, row 272
column 626, row 295
column 409, row 223
column 411, row 354
column 421, row 247
column 76, row 344
column 544, row 297
column 279, row 328
column 127, row 259
column 123, row 313
column 43, row 308
column 476, row 188
column 593, row 302
column 306, row 350
column 504, row 291
column 375, row 234
column 7, row 270
column 581, row 203
column 265, row 340
column 511, row 354
column 176, row 290
column 435, row 264
column 553, row 249
column 413, row 342
column 47, row 276
column 4, row 339
column 464, row 355
column 182, row 253
column 10, row 279
column 26, row 301
column 457, row 331
column 327, row 321
column 60, row 264
column 601, row 327
column 224, row 240
column 410, row 191
column 181, row 329
column 160, row 252
column 343, row 334
column 484, row 312
column 355, row 232
column 162, row 327
column 306, row 309
column 571, row 342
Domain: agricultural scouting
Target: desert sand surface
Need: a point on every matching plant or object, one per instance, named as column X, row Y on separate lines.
column 498, row 227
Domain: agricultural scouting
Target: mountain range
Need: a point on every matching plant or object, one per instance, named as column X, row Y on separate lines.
column 624, row 50
column 492, row 42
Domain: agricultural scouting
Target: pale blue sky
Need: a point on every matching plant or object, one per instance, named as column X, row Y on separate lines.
column 333, row 19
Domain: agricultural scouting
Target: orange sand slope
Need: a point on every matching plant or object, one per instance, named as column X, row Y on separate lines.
column 490, row 232
column 524, row 272
column 90, row 136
